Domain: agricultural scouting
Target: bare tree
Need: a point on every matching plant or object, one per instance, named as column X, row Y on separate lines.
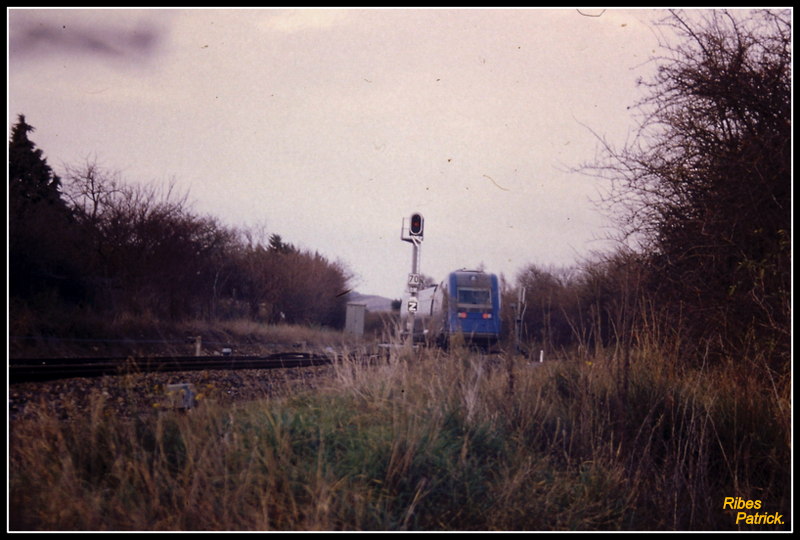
column 91, row 189
column 705, row 186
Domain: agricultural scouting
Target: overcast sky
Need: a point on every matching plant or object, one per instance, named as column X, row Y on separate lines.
column 328, row 127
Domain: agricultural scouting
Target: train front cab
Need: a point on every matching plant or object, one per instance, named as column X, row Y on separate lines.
column 474, row 307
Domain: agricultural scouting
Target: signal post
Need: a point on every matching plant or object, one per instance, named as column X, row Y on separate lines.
column 415, row 237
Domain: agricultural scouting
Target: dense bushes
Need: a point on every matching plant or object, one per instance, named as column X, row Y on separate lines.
column 702, row 199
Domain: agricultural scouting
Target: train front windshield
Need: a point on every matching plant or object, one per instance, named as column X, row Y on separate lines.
column 474, row 297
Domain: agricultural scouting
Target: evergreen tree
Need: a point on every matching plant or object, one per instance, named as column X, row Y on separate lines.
column 30, row 177
column 43, row 240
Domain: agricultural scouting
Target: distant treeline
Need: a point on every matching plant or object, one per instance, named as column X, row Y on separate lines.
column 90, row 244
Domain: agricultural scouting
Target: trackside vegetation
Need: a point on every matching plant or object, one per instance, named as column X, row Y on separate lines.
column 425, row 440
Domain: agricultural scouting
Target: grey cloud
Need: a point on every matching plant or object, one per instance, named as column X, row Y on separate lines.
column 44, row 33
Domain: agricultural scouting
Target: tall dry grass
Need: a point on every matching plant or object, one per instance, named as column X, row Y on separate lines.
column 127, row 334
column 426, row 440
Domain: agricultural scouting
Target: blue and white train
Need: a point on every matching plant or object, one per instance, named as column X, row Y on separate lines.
column 466, row 304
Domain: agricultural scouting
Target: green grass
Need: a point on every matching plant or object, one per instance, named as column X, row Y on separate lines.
column 424, row 441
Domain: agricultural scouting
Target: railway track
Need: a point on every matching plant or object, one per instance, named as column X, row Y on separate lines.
column 47, row 369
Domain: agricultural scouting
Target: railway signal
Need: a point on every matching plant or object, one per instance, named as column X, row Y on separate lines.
column 415, row 231
column 417, row 224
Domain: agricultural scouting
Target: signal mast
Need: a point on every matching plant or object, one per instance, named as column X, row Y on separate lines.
column 415, row 236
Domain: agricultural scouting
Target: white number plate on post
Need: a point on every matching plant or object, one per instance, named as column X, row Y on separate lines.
column 412, row 305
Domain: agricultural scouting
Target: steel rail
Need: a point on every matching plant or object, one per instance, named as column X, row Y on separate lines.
column 47, row 369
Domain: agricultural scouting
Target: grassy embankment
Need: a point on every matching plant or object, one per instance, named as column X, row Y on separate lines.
column 426, row 441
